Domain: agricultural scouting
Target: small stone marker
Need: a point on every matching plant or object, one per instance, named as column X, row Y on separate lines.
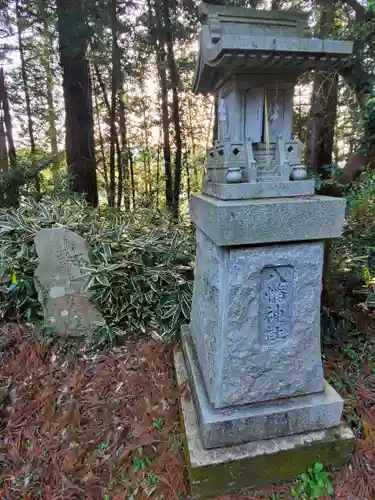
column 59, row 281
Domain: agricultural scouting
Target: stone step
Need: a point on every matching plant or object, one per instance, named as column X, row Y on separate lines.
column 263, row 161
column 263, row 150
column 264, row 155
column 263, row 166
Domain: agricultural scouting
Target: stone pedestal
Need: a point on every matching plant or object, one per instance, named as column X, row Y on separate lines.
column 240, row 468
column 235, row 425
column 252, row 351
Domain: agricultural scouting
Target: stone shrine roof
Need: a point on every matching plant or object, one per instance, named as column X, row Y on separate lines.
column 236, row 40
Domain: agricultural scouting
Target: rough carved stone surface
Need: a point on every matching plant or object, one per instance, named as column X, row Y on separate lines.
column 59, row 280
column 242, row 424
column 207, row 285
column 255, row 321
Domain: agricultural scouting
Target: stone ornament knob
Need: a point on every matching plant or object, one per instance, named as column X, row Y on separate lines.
column 234, row 175
column 299, row 173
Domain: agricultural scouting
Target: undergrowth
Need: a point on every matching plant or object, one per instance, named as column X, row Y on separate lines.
column 350, row 276
column 141, row 270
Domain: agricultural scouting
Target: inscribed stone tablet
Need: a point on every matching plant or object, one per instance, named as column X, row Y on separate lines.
column 59, row 279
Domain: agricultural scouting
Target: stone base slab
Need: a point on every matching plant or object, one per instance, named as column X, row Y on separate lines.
column 254, row 422
column 238, row 469
column 269, row 220
column 247, row 190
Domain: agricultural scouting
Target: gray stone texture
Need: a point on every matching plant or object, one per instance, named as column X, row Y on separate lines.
column 246, row 190
column 255, row 321
column 252, row 41
column 238, row 469
column 59, row 279
column 272, row 220
column 242, row 424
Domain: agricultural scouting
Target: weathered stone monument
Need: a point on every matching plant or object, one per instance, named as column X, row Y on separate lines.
column 59, row 281
column 261, row 410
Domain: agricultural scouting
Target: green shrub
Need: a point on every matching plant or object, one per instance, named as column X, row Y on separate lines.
column 313, row 484
column 141, row 272
column 354, row 254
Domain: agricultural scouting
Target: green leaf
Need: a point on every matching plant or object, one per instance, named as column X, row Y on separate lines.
column 305, row 478
column 318, row 467
column 330, row 489
column 151, row 491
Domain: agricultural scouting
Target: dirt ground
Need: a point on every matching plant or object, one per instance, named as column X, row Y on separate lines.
column 105, row 426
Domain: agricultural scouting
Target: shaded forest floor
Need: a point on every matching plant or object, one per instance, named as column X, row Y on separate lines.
column 105, row 426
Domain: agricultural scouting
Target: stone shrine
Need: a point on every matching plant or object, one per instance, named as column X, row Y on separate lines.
column 261, row 410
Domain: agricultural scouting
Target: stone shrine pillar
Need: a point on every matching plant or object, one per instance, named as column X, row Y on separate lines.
column 261, row 410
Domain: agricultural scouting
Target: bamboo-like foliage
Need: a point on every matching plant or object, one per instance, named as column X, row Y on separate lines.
column 141, row 273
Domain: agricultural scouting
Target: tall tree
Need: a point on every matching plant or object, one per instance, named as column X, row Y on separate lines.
column 4, row 100
column 156, row 32
column 79, row 121
column 7, row 148
column 25, row 78
column 323, row 113
column 26, row 87
column 124, row 148
column 357, row 74
column 113, row 112
column 101, row 141
column 173, row 75
column 46, row 62
column 360, row 76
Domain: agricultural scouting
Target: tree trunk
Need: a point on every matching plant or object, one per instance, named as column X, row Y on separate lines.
column 159, row 43
column 120, row 179
column 124, row 154
column 158, row 172
column 132, row 179
column 323, row 113
column 188, row 181
column 124, row 149
column 112, row 149
column 7, row 120
column 192, row 140
column 355, row 74
column 101, row 144
column 4, row 161
column 79, row 121
column 103, row 89
column 146, row 153
column 108, row 106
column 52, row 131
column 322, row 122
column 26, row 89
column 175, row 107
column 46, row 63
column 8, row 150
column 362, row 82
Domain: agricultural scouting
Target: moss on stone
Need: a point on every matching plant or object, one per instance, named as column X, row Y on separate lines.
column 333, row 447
column 209, row 482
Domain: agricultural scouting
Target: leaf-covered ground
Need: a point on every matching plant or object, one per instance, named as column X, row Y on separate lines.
column 105, row 426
